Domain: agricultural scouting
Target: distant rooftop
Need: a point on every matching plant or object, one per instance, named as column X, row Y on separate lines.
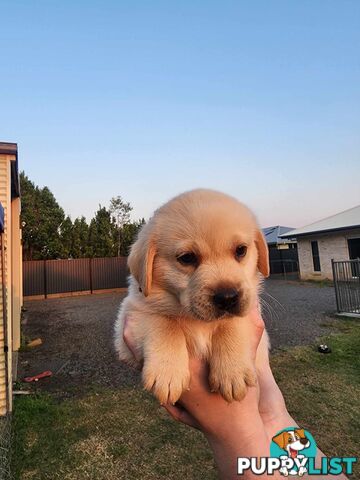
column 272, row 234
column 341, row 221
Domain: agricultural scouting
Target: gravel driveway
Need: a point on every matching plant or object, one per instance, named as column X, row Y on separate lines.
column 77, row 333
column 297, row 311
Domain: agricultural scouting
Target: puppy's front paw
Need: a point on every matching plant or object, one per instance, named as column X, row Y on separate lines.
column 166, row 380
column 302, row 471
column 231, row 380
column 284, row 471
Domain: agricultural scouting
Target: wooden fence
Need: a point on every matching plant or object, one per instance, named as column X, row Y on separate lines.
column 43, row 278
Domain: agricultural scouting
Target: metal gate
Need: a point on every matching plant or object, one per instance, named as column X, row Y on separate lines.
column 347, row 286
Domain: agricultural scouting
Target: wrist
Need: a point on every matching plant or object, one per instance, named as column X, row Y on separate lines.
column 240, row 442
column 276, row 419
column 235, row 420
column 244, row 434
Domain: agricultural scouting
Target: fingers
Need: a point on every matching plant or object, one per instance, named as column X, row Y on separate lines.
column 271, row 402
column 179, row 414
column 256, row 317
column 257, row 328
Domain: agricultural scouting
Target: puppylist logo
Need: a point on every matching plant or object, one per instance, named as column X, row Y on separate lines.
column 293, row 447
column 293, row 453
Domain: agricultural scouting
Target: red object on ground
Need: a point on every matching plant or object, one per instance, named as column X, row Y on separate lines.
column 35, row 378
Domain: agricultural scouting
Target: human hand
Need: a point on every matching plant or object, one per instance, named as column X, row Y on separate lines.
column 209, row 411
column 205, row 410
column 232, row 429
column 237, row 429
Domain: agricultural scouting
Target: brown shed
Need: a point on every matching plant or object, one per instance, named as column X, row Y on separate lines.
column 10, row 271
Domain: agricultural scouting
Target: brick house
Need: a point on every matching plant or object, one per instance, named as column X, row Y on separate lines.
column 336, row 237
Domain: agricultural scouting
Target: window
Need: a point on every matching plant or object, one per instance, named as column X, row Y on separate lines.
column 354, row 248
column 354, row 254
column 316, row 256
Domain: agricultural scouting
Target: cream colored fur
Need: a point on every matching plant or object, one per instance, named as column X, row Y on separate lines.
column 169, row 304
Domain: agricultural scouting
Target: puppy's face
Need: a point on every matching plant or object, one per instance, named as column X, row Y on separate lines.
column 200, row 255
column 292, row 441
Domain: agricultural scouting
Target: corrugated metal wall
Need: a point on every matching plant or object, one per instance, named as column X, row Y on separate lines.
column 109, row 273
column 48, row 277
column 67, row 275
column 33, row 277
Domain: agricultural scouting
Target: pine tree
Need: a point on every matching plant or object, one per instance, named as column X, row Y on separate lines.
column 80, row 238
column 121, row 215
column 101, row 234
column 128, row 235
column 41, row 218
column 66, row 236
column 48, row 234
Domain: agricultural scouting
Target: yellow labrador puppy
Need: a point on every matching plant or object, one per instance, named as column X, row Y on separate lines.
column 195, row 270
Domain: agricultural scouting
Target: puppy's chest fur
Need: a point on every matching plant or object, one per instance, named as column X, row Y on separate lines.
column 198, row 333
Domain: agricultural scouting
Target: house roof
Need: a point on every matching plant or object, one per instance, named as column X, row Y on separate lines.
column 341, row 221
column 8, row 148
column 272, row 234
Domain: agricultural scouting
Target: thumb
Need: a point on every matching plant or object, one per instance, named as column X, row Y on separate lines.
column 257, row 326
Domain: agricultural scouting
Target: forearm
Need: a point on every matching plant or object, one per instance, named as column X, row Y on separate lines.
column 242, row 435
column 239, row 443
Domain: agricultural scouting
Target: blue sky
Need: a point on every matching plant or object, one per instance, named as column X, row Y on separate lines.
column 146, row 99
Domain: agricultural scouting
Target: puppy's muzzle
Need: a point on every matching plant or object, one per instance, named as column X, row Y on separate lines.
column 226, row 300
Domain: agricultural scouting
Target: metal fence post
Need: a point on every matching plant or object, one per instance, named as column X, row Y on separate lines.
column 90, row 275
column 45, row 280
column 335, row 285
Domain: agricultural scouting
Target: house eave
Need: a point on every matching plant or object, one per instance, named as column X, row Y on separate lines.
column 318, row 232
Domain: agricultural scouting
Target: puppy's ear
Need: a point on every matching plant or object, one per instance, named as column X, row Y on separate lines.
column 300, row 432
column 141, row 259
column 280, row 439
column 263, row 253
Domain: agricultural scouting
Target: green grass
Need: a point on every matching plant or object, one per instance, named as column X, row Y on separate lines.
column 105, row 435
column 322, row 391
column 124, row 434
column 318, row 283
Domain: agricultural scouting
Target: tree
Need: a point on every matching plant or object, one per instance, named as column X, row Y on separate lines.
column 66, row 236
column 80, row 238
column 48, row 234
column 121, row 214
column 41, row 218
column 128, row 235
column 101, row 234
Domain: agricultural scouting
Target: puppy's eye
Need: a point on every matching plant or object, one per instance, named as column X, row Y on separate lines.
column 188, row 258
column 240, row 251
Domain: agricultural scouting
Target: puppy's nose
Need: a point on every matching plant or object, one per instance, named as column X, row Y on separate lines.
column 226, row 299
column 304, row 441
